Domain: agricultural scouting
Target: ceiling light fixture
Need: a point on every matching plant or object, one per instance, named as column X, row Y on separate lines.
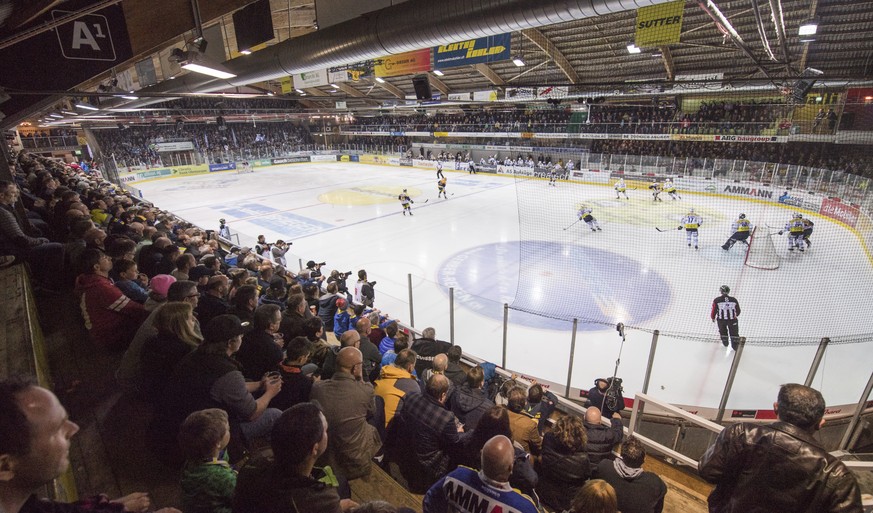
column 69, row 113
column 83, row 105
column 334, row 86
column 380, row 80
column 518, row 61
column 808, row 28
column 438, row 73
column 632, row 48
column 245, row 52
column 301, row 91
column 197, row 62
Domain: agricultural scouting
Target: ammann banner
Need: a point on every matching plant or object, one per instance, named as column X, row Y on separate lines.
column 659, row 24
column 473, row 51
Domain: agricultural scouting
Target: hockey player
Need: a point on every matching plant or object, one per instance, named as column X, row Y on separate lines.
column 725, row 310
column 405, row 202
column 795, row 230
column 691, row 222
column 440, row 169
column 585, row 215
column 471, row 167
column 441, row 185
column 742, row 228
column 807, row 230
column 620, row 188
column 670, row 189
column 247, row 167
column 223, row 230
column 656, row 190
column 553, row 176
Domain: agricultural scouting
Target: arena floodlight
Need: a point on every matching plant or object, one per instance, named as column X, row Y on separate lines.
column 380, row 80
column 197, row 62
column 518, row 61
column 632, row 48
column 83, row 105
column 808, row 28
column 438, row 73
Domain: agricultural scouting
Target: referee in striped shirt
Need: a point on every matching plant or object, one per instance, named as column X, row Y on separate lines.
column 725, row 310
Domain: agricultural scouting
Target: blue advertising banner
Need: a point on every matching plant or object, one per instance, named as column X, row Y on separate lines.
column 473, row 51
column 222, row 167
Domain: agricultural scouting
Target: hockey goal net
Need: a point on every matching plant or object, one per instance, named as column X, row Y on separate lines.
column 761, row 253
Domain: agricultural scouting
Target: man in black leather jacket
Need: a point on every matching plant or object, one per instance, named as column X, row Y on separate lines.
column 779, row 467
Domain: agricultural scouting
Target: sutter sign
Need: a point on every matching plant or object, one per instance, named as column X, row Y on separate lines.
column 659, row 24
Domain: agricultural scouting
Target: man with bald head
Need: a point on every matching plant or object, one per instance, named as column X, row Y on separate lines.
column 465, row 490
column 348, row 339
column 601, row 439
column 348, row 404
column 432, row 431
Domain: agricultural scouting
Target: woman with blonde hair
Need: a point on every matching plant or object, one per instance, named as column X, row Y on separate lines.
column 176, row 338
column 596, row 496
column 564, row 464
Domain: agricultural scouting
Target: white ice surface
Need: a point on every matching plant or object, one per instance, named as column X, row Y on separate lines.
column 824, row 292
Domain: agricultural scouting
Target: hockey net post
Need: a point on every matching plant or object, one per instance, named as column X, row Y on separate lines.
column 761, row 253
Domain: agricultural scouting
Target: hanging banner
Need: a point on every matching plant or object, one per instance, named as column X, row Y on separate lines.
column 287, row 84
column 404, row 63
column 485, row 96
column 659, row 24
column 473, row 51
column 311, row 79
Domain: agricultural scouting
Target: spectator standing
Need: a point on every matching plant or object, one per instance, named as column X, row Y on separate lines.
column 779, row 466
column 427, row 347
column 601, row 439
column 638, row 491
column 348, row 402
column 395, row 381
column 432, row 432
column 607, row 401
column 564, row 468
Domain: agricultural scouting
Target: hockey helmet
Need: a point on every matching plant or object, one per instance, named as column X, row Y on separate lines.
column 222, row 221
column 725, row 289
column 742, row 216
column 691, row 210
column 404, row 190
column 798, row 215
column 667, row 180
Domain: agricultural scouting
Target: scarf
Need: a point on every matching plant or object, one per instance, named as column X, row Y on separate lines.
column 624, row 471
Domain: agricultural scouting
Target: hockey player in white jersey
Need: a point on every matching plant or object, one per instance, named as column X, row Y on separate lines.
column 553, row 175
column 585, row 215
column 656, row 191
column 795, row 229
column 741, row 228
column 690, row 223
column 620, row 188
column 670, row 189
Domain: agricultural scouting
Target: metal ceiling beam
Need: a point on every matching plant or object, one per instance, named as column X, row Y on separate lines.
column 396, row 91
column 725, row 27
column 782, row 38
column 489, row 73
column 667, row 58
column 439, row 84
column 545, row 44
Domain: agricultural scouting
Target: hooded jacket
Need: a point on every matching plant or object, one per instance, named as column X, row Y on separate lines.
column 469, row 405
column 393, row 384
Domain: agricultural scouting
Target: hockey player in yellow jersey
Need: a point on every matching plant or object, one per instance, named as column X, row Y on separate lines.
column 670, row 189
column 620, row 188
column 405, row 202
column 690, row 223
column 441, row 185
column 584, row 214
column 795, row 228
column 742, row 228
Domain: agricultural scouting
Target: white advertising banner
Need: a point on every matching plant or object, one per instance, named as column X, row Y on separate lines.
column 311, row 79
column 174, row 146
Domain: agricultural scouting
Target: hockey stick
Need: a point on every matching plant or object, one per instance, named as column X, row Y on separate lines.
column 425, row 201
column 574, row 222
column 663, row 230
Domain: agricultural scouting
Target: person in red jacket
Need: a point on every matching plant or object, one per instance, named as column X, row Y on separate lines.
column 111, row 317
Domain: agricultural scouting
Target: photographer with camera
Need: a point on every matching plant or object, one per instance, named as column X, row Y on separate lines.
column 606, row 395
column 315, row 271
column 277, row 252
column 340, row 280
column 364, row 293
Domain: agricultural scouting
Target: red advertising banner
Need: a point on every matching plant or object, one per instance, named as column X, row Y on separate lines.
column 835, row 209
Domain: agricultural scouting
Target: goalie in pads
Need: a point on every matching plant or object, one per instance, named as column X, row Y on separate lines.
column 742, row 228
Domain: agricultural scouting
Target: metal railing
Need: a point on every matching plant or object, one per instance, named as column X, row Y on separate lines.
column 59, row 142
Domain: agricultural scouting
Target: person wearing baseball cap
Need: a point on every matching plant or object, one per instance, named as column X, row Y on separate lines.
column 209, row 377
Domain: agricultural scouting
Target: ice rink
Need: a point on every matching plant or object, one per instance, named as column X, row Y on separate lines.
column 500, row 240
